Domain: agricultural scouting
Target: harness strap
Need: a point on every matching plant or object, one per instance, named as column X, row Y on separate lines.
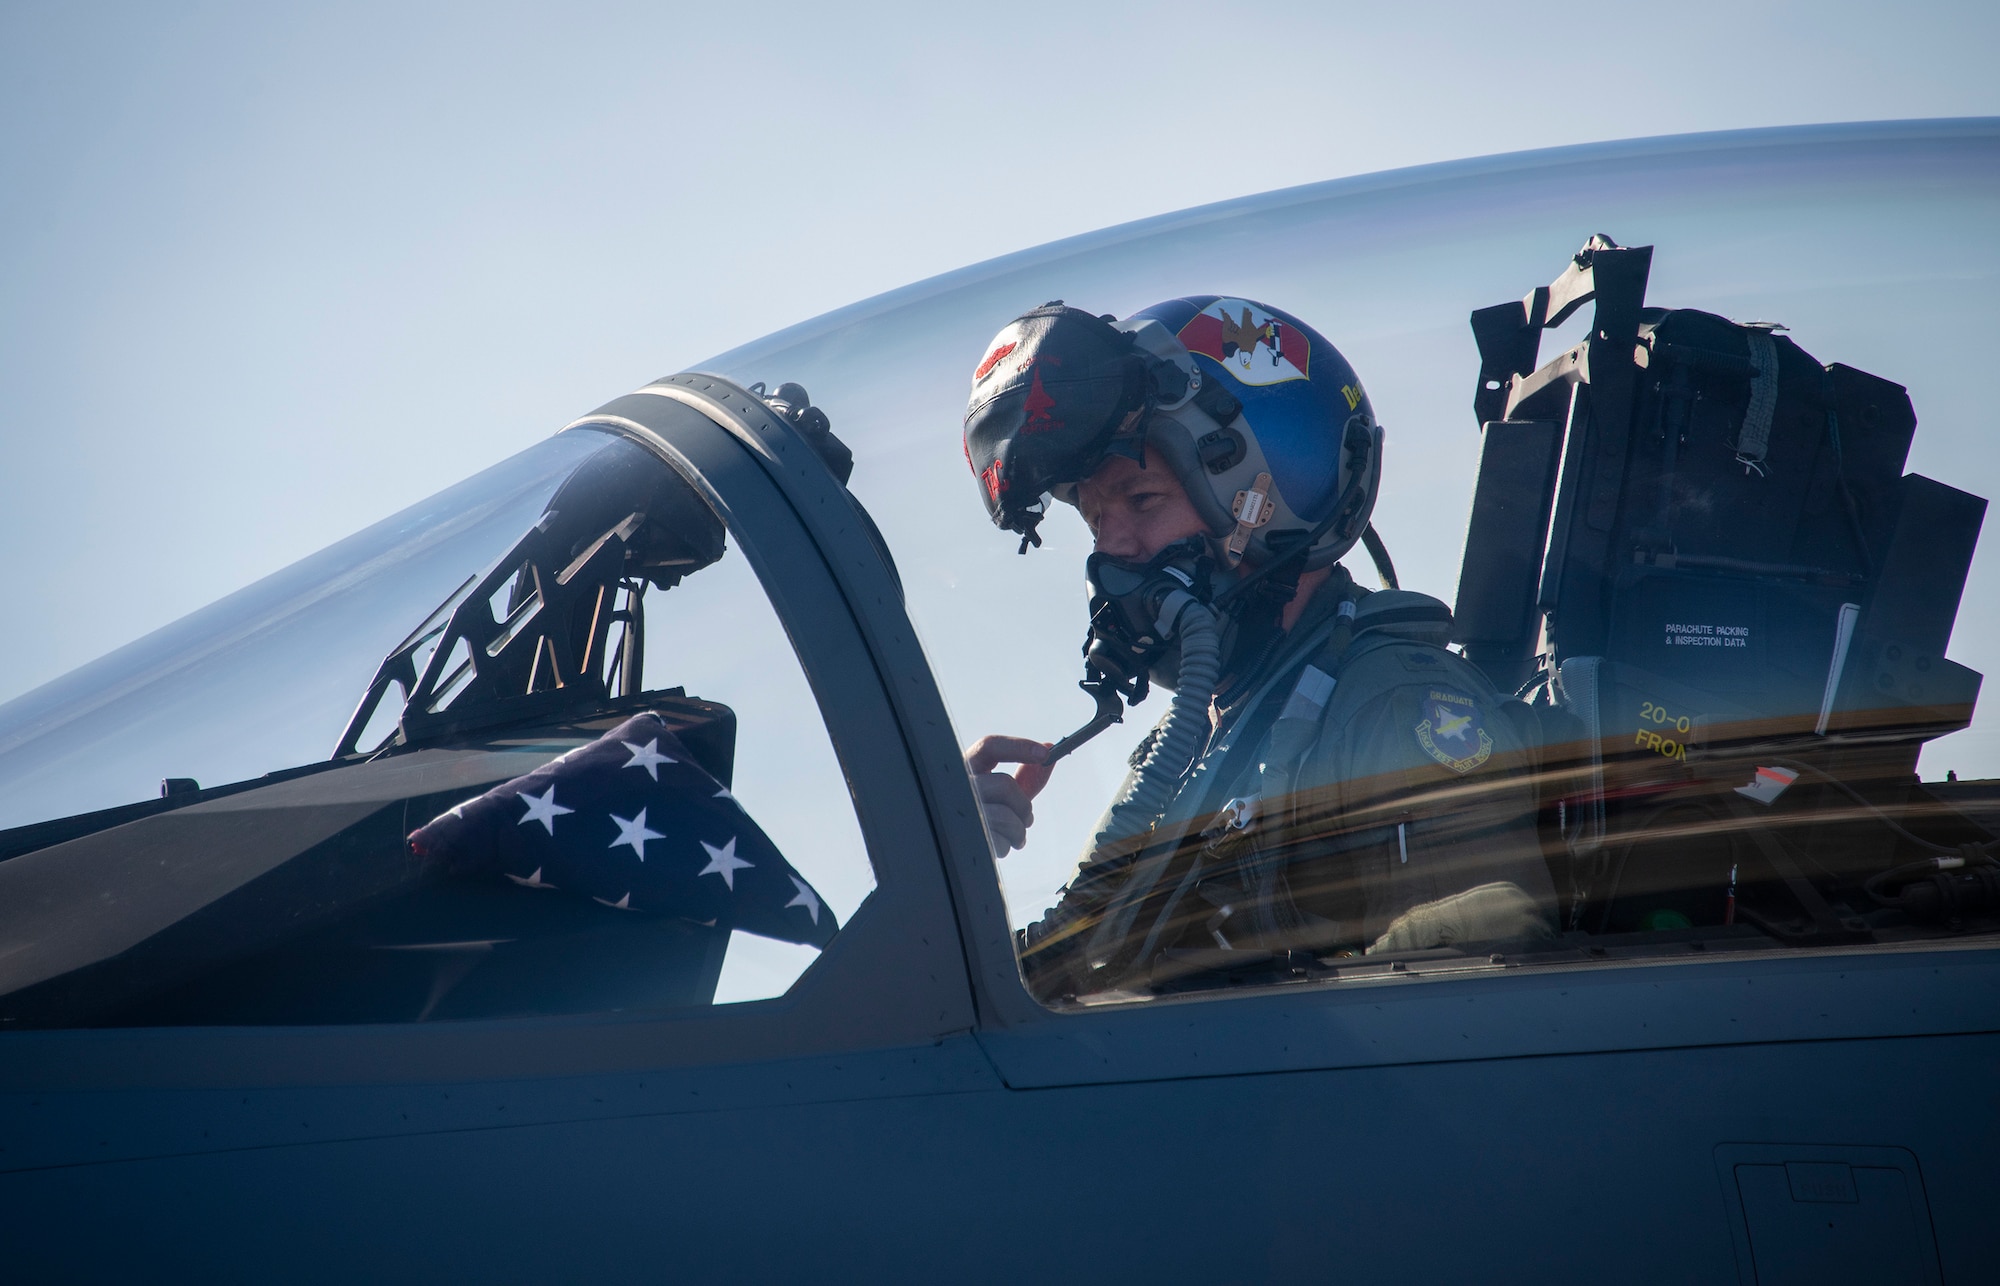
column 1754, row 440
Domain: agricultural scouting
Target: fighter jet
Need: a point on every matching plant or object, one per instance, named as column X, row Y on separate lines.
column 577, row 875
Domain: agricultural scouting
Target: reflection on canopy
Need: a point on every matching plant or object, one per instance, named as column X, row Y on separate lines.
column 302, row 896
column 1721, row 743
column 265, row 678
column 1834, row 231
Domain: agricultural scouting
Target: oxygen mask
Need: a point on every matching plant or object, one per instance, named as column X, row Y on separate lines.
column 1138, row 615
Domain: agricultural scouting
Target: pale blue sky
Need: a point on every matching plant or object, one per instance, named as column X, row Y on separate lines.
column 268, row 273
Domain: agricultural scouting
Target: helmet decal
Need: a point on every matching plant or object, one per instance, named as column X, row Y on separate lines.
column 1296, row 389
column 1255, row 346
column 992, row 360
column 1038, row 403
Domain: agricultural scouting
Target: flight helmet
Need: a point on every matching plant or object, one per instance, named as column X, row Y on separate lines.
column 1262, row 420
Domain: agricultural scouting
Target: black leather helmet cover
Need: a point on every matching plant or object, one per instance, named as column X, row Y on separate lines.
column 1047, row 400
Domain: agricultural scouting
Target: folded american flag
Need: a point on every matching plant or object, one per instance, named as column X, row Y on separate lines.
column 633, row 822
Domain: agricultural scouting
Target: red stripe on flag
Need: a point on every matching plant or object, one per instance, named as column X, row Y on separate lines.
column 1203, row 334
column 1292, row 345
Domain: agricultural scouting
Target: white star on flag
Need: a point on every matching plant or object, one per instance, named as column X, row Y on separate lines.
column 648, row 757
column 622, row 904
column 632, row 832
column 805, row 898
column 724, row 862
column 534, row 881
column 543, row 808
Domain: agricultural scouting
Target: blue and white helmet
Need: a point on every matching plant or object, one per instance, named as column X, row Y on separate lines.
column 1272, row 435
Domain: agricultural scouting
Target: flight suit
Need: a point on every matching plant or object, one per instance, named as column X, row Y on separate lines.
column 1366, row 789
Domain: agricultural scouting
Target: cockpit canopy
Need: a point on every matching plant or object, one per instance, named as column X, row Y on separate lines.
column 1835, row 273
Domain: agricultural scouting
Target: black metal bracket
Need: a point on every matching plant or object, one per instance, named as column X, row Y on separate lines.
column 560, row 617
column 1509, row 335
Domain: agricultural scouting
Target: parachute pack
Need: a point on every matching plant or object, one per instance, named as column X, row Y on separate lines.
column 1693, row 548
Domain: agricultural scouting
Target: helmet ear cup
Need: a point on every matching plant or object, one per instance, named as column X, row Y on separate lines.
column 1220, row 450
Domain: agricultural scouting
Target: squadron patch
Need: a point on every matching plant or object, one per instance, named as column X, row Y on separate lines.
column 1452, row 731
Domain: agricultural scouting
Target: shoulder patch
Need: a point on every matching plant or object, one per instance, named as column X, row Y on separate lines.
column 1452, row 731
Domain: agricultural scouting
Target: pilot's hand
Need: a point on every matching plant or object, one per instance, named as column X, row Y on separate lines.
column 1005, row 798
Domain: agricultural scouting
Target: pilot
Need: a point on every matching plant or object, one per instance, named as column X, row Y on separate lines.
column 1328, row 777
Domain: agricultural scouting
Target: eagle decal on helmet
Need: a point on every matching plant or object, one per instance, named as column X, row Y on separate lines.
column 1255, row 346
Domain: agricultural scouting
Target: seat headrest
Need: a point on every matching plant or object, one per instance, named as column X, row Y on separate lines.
column 1406, row 614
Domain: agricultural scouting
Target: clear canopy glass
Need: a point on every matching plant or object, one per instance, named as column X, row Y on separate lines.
column 456, row 767
column 266, row 678
column 1872, row 243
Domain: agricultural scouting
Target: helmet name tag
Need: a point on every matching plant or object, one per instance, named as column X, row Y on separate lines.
column 1253, row 508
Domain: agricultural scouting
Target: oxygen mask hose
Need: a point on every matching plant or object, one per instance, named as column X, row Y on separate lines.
column 1179, row 738
column 1184, row 729
column 1153, row 618
column 1098, row 884
column 1180, row 618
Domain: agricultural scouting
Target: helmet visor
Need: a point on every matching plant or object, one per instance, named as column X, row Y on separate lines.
column 1051, row 393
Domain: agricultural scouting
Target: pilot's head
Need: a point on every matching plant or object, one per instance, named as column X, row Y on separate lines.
column 1204, row 417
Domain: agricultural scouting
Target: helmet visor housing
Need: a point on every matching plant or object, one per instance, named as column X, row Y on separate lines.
column 1052, row 392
